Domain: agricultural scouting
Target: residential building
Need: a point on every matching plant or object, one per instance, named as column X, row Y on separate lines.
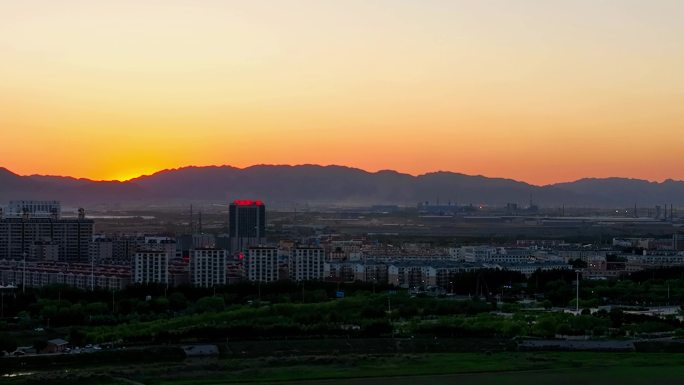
column 151, row 266
column 72, row 237
column 80, row 275
column 101, row 250
column 44, row 251
column 35, row 209
column 306, row 263
column 340, row 271
column 262, row 264
column 208, row 267
column 371, row 271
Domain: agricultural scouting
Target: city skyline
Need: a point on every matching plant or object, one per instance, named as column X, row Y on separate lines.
column 335, row 191
column 538, row 91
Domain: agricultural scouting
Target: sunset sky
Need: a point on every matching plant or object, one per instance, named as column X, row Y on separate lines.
column 535, row 90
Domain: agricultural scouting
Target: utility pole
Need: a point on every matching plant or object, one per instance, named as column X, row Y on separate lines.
column 577, row 297
column 389, row 313
column 192, row 225
column 668, row 294
column 23, row 276
column 92, row 273
column 24, row 219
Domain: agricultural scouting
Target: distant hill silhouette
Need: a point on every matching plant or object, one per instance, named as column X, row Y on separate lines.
column 336, row 185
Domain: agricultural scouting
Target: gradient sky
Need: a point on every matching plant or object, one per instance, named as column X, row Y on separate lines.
column 536, row 90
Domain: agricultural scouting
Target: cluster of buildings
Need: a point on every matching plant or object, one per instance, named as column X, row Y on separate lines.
column 79, row 275
column 35, row 230
column 40, row 247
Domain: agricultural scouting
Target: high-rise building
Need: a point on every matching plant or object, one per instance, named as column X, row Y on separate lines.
column 19, row 235
column 262, row 264
column 306, row 263
column 101, row 250
column 36, row 209
column 120, row 250
column 678, row 242
column 208, row 267
column 151, row 266
column 124, row 248
column 203, row 241
column 44, row 251
column 247, row 224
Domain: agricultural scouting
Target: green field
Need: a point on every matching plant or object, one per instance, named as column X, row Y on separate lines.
column 432, row 369
column 604, row 376
column 435, row 369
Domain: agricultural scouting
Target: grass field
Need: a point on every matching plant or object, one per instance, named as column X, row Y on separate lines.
column 431, row 369
column 603, row 376
column 434, row 369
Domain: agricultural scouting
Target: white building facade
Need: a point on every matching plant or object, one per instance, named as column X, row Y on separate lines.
column 35, row 209
column 306, row 263
column 151, row 267
column 208, row 267
column 262, row 264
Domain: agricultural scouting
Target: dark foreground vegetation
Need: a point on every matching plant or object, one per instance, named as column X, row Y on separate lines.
column 496, row 304
column 287, row 332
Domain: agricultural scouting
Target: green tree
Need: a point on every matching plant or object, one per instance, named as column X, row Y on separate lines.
column 77, row 337
column 160, row 305
column 209, row 304
column 7, row 343
column 178, row 302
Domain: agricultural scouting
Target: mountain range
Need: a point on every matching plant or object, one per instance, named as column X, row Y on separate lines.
column 285, row 186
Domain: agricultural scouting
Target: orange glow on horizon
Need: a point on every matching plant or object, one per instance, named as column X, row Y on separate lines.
column 535, row 91
column 533, row 178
